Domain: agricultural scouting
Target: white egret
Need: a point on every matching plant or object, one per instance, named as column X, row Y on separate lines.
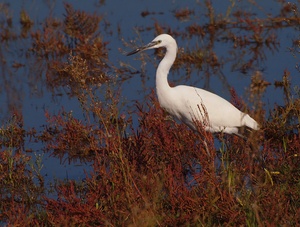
column 190, row 104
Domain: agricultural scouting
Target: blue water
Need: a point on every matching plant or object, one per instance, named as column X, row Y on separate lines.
column 126, row 23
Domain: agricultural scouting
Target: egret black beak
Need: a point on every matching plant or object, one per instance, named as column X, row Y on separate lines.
column 149, row 45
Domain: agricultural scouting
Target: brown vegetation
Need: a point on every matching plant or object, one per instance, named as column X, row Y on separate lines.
column 160, row 173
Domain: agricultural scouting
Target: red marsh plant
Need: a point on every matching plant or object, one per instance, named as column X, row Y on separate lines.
column 158, row 173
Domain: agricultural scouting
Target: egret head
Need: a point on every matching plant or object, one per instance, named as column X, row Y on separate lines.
column 163, row 40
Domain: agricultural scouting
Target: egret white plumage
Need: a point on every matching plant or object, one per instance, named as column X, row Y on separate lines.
column 190, row 104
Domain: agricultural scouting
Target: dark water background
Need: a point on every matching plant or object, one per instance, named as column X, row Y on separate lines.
column 122, row 21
